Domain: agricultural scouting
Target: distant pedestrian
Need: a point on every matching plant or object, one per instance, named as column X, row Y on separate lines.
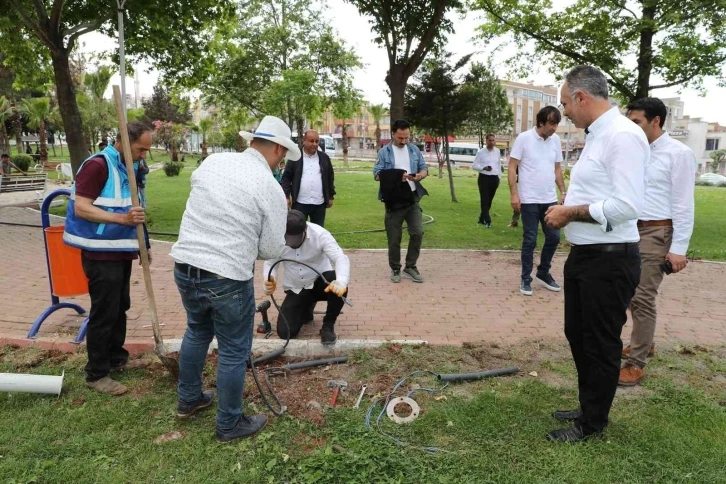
column 489, row 167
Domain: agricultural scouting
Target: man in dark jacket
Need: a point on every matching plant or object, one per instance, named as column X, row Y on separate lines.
column 309, row 183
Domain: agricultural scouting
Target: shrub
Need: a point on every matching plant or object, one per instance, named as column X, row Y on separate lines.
column 173, row 168
column 22, row 161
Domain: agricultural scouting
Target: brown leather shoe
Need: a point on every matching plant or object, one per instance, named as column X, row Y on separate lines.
column 626, row 352
column 630, row 375
column 134, row 364
column 107, row 385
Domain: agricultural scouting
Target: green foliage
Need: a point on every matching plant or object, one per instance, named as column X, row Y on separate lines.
column 718, row 157
column 408, row 31
column 135, row 114
column 679, row 42
column 22, row 161
column 173, row 168
column 288, row 67
column 161, row 107
column 37, row 110
column 490, row 109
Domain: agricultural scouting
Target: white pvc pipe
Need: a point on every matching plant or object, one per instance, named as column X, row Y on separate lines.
column 19, row 382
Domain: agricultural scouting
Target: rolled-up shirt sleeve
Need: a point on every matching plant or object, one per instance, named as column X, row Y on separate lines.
column 625, row 167
column 337, row 257
column 274, row 224
column 683, row 185
column 266, row 269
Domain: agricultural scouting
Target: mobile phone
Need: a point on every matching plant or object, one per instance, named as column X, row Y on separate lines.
column 667, row 267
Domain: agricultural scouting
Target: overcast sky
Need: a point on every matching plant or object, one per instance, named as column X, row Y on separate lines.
column 356, row 32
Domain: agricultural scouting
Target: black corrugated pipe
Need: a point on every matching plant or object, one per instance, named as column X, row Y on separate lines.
column 478, row 375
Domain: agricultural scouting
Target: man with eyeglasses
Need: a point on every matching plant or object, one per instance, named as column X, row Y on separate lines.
column 606, row 195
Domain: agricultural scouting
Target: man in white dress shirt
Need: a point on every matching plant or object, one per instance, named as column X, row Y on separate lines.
column 310, row 244
column 535, row 166
column 600, row 213
column 309, row 183
column 489, row 166
column 235, row 214
column 665, row 227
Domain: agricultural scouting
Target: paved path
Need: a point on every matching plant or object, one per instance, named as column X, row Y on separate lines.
column 467, row 296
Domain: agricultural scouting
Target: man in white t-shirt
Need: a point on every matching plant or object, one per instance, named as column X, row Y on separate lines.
column 536, row 156
column 489, row 167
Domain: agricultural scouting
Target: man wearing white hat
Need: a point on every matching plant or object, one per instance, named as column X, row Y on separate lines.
column 236, row 213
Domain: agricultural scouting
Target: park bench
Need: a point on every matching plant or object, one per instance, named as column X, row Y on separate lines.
column 24, row 183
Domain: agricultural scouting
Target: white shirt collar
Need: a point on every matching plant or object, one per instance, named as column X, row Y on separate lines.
column 314, row 155
column 662, row 139
column 603, row 120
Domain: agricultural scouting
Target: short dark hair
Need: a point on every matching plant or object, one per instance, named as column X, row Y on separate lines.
column 651, row 107
column 264, row 142
column 400, row 124
column 136, row 130
column 489, row 134
column 548, row 113
column 5, row 155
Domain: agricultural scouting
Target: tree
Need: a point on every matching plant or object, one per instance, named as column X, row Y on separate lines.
column 346, row 103
column 98, row 114
column 172, row 33
column 280, row 59
column 490, row 112
column 438, row 104
column 205, row 125
column 680, row 42
column 38, row 111
column 6, row 112
column 171, row 135
column 161, row 107
column 409, row 31
column 718, row 157
column 377, row 111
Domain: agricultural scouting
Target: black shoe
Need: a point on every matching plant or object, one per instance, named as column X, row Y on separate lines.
column 567, row 415
column 328, row 336
column 570, row 435
column 246, row 427
column 186, row 410
column 525, row 288
column 548, row 281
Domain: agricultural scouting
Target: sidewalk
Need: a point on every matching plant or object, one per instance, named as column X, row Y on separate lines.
column 467, row 296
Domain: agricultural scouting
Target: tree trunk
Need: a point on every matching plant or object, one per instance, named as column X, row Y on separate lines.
column 378, row 136
column 204, row 145
column 18, row 125
column 174, row 152
column 345, row 144
column 397, row 84
column 645, row 53
column 43, row 134
column 448, row 166
column 4, row 140
column 300, row 131
column 72, row 122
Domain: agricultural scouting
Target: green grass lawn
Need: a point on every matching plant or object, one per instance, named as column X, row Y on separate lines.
column 672, row 429
column 455, row 227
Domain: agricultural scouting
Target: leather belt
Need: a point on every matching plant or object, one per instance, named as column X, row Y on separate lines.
column 624, row 247
column 642, row 224
column 192, row 271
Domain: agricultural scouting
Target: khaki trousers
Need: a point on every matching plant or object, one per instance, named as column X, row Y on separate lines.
column 655, row 242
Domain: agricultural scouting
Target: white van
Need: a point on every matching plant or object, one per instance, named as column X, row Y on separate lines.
column 463, row 152
column 327, row 145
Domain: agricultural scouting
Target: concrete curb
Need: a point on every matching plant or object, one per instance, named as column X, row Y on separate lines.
column 297, row 348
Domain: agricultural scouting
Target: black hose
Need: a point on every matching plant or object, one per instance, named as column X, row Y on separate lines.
column 312, row 363
column 478, row 375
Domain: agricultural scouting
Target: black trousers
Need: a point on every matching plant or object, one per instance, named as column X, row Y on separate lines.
column 108, row 286
column 488, row 185
column 297, row 309
column 598, row 288
column 314, row 213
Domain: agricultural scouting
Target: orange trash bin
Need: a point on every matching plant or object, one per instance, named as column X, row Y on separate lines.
column 66, row 270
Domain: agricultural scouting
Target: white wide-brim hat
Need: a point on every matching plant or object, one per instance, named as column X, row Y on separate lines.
column 275, row 130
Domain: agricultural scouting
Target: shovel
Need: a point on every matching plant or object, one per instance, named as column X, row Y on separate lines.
column 170, row 363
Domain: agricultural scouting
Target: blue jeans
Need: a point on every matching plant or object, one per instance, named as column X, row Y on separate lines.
column 223, row 308
column 532, row 216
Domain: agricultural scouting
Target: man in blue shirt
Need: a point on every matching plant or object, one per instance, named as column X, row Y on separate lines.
column 406, row 159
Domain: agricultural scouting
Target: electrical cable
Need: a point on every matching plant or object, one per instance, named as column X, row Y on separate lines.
column 277, row 369
column 386, row 400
